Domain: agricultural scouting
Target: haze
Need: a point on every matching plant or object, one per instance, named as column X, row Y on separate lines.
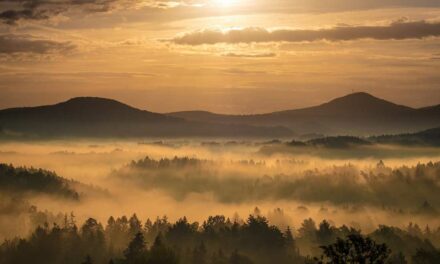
column 168, row 56
column 219, row 131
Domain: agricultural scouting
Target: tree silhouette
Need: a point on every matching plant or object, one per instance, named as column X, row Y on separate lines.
column 424, row 256
column 325, row 233
column 135, row 225
column 161, row 254
column 218, row 241
column 199, row 254
column 219, row 258
column 136, row 251
column 398, row 258
column 356, row 249
column 237, row 258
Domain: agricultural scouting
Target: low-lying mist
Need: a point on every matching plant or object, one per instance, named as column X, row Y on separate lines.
column 400, row 189
column 229, row 178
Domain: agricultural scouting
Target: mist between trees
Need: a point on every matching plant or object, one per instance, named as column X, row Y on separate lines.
column 217, row 240
column 360, row 195
column 374, row 198
column 406, row 190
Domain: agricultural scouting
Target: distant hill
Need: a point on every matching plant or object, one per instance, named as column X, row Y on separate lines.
column 16, row 180
column 426, row 138
column 430, row 137
column 338, row 142
column 100, row 117
column 355, row 114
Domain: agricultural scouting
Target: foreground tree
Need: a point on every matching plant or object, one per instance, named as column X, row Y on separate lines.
column 237, row 258
column 398, row 258
column 356, row 249
column 136, row 251
column 424, row 256
column 161, row 254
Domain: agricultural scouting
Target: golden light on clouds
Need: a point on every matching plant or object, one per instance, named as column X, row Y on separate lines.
column 276, row 54
column 226, row 3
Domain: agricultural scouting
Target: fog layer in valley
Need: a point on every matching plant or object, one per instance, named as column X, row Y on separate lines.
column 232, row 178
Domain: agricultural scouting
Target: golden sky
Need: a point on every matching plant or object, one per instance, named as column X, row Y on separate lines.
column 232, row 56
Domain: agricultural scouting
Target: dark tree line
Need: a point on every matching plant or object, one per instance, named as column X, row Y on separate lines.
column 218, row 240
column 20, row 179
column 403, row 190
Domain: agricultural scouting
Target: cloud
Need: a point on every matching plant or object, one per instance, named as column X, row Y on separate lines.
column 32, row 9
column 346, row 5
column 250, row 55
column 395, row 31
column 14, row 11
column 14, row 44
column 44, row 9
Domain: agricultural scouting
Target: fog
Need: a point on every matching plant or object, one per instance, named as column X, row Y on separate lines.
column 230, row 178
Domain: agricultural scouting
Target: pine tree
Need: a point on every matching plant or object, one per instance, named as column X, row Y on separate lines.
column 136, row 251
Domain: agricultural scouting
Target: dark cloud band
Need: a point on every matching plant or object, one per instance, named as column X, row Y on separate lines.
column 44, row 9
column 397, row 31
column 13, row 44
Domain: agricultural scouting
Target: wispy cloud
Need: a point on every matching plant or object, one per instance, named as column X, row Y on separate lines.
column 397, row 30
column 250, row 55
column 16, row 10
column 13, row 44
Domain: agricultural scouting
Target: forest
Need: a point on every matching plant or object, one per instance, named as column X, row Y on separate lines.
column 22, row 180
column 406, row 189
column 218, row 240
column 216, row 202
column 219, row 132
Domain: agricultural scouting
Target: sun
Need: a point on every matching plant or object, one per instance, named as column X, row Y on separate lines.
column 226, row 3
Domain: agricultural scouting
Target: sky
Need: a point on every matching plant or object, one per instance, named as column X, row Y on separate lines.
column 230, row 56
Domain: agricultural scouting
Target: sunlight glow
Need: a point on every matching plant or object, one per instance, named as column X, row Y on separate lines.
column 226, row 3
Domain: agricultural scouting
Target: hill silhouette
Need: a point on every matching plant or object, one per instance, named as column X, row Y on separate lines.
column 430, row 137
column 20, row 180
column 338, row 142
column 426, row 138
column 84, row 109
column 355, row 104
column 355, row 114
column 100, row 117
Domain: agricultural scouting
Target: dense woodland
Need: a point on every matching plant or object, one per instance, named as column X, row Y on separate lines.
column 218, row 240
column 430, row 137
column 407, row 190
column 59, row 238
column 22, row 180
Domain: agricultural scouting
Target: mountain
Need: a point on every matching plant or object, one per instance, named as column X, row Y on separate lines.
column 100, row 117
column 357, row 114
column 84, row 109
column 354, row 114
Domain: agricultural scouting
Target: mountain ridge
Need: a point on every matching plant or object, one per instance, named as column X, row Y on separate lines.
column 90, row 107
column 332, row 101
column 357, row 114
column 102, row 117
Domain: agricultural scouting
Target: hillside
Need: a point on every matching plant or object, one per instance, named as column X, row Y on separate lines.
column 426, row 138
column 100, row 117
column 430, row 137
column 355, row 114
column 16, row 180
column 358, row 114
